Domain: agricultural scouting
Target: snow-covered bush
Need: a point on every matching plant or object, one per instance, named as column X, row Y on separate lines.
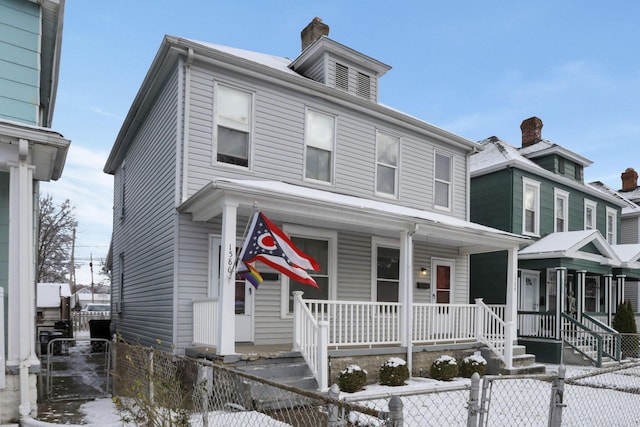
column 394, row 372
column 444, row 368
column 471, row 364
column 352, row 379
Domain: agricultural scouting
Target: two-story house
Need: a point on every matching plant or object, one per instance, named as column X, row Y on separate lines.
column 377, row 197
column 574, row 267
column 30, row 152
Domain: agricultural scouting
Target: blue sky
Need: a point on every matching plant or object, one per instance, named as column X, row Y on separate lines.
column 475, row 68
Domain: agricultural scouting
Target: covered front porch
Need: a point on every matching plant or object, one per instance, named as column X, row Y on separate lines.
column 425, row 300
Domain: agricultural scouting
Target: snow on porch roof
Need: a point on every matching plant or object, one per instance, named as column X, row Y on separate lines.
column 341, row 202
column 569, row 244
column 629, row 254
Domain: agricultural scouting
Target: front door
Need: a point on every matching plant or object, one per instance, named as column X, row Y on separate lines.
column 529, row 299
column 444, row 323
column 244, row 294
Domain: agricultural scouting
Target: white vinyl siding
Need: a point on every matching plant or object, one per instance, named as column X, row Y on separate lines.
column 561, row 210
column 320, row 136
column 387, row 163
column 443, row 180
column 531, row 207
column 590, row 209
column 233, row 125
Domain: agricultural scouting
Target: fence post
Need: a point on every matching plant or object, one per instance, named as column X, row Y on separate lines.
column 474, row 394
column 396, row 418
column 151, row 376
column 557, row 399
column 334, row 410
column 323, row 354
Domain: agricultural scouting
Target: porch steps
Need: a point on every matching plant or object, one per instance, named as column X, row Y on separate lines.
column 523, row 363
column 288, row 369
column 573, row 357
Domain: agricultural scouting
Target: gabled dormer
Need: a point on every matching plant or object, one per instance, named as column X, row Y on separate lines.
column 548, row 155
column 336, row 65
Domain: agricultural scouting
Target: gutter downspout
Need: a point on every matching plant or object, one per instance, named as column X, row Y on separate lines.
column 185, row 124
column 407, row 248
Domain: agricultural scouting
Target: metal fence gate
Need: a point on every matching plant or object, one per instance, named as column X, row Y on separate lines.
column 77, row 369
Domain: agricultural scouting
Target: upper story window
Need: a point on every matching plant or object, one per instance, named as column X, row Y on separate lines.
column 589, row 215
column 531, row 207
column 612, row 222
column 387, row 156
column 561, row 210
column 233, row 122
column 442, row 185
column 319, row 140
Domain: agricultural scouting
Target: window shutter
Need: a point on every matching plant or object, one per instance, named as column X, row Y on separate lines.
column 342, row 77
column 364, row 86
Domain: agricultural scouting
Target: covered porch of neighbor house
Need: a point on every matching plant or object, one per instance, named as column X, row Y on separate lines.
column 570, row 285
column 426, row 309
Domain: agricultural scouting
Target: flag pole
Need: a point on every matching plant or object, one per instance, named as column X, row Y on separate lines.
column 232, row 268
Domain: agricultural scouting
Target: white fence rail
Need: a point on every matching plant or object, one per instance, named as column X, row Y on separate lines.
column 497, row 334
column 205, row 319
column 80, row 319
column 310, row 337
column 443, row 322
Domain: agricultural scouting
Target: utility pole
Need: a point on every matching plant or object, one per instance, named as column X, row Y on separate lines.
column 72, row 268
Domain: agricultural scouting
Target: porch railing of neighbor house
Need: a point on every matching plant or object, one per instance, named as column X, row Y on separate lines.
column 537, row 324
column 205, row 317
column 611, row 342
column 310, row 337
column 581, row 339
column 494, row 332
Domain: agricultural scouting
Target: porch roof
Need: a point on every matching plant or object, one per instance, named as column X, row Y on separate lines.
column 319, row 208
column 570, row 244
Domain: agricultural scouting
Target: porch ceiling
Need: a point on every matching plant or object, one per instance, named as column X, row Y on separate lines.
column 307, row 206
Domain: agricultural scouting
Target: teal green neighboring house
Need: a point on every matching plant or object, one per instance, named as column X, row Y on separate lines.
column 30, row 152
column 573, row 273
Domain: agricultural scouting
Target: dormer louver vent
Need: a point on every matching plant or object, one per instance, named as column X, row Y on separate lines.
column 364, row 86
column 342, row 77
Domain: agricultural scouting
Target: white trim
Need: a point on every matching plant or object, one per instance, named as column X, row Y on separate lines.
column 564, row 195
column 536, row 226
column 594, row 207
column 213, row 279
column 611, row 213
column 332, row 268
column 251, row 130
column 306, row 143
column 377, row 242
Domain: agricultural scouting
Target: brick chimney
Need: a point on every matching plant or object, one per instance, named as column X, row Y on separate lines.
column 629, row 179
column 313, row 32
column 531, row 131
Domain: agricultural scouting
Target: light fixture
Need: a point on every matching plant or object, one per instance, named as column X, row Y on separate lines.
column 423, row 271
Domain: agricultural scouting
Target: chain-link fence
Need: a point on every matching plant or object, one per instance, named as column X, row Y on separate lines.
column 156, row 388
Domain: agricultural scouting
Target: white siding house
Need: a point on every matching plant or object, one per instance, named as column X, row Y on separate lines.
column 380, row 199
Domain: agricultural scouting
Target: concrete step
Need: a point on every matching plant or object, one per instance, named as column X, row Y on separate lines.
column 533, row 368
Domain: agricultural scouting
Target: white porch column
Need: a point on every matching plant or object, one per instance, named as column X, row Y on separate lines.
column 406, row 293
column 227, row 315
column 620, row 289
column 580, row 291
column 561, row 278
column 608, row 280
column 511, row 312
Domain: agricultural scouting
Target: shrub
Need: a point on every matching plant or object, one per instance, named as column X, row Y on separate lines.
column 444, row 368
column 352, row 379
column 471, row 364
column 394, row 372
column 625, row 322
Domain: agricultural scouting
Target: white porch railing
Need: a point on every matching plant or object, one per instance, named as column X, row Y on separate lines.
column 310, row 338
column 497, row 334
column 443, row 322
column 205, row 319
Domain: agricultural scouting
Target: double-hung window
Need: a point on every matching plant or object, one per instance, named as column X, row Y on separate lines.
column 589, row 215
column 320, row 133
column 387, row 155
column 387, row 268
column 531, row 207
column 442, row 184
column 561, row 210
column 612, row 226
column 233, row 123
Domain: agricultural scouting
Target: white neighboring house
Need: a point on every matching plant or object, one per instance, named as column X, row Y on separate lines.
column 50, row 304
column 84, row 297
